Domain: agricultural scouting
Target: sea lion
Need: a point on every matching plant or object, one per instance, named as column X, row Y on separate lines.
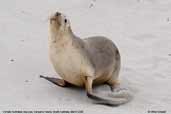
column 84, row 62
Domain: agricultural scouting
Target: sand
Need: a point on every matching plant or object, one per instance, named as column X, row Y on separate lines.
column 140, row 29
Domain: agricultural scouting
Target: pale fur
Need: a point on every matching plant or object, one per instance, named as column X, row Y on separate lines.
column 75, row 59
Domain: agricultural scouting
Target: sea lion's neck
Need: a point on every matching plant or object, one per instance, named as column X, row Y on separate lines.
column 61, row 36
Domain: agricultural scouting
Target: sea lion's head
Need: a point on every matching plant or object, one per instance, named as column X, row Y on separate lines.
column 59, row 23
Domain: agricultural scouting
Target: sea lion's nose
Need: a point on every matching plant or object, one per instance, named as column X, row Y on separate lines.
column 57, row 14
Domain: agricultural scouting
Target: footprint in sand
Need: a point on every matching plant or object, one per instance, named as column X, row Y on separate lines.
column 92, row 3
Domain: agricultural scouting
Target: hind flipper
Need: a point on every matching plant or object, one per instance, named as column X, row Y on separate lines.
column 96, row 98
column 56, row 81
column 113, row 84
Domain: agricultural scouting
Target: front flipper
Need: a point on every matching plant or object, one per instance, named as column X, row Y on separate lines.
column 56, row 81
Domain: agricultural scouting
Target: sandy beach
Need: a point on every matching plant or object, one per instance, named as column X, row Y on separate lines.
column 141, row 29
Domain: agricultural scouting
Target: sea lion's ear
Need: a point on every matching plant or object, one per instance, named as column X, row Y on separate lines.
column 68, row 23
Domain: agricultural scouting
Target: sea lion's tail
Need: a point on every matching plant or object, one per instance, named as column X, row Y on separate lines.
column 112, row 98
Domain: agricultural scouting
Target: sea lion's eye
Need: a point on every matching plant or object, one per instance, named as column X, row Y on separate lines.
column 65, row 20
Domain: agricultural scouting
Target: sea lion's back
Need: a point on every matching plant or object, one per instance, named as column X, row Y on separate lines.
column 102, row 52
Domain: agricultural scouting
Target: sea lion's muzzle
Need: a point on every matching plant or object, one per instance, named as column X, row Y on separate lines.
column 57, row 14
column 58, row 20
column 55, row 17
